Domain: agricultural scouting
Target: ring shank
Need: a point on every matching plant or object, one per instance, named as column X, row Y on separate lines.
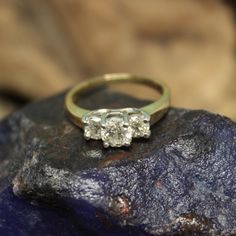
column 156, row 109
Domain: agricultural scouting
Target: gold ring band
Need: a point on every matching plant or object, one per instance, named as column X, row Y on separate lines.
column 81, row 116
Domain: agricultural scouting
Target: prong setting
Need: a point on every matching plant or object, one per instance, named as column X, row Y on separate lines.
column 105, row 144
column 116, row 127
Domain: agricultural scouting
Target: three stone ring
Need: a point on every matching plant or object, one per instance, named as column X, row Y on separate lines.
column 117, row 127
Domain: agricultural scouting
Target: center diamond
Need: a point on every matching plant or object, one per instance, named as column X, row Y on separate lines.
column 115, row 132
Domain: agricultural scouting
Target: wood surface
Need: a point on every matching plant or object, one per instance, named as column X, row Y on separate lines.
column 48, row 45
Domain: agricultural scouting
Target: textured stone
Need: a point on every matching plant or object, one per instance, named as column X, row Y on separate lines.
column 20, row 218
column 181, row 181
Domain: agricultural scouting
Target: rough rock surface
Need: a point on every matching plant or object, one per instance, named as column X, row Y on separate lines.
column 182, row 181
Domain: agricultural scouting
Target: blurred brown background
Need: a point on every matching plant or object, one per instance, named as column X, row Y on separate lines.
column 48, row 45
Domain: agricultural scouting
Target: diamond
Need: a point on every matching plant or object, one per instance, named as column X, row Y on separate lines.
column 140, row 125
column 115, row 132
column 116, row 127
column 92, row 128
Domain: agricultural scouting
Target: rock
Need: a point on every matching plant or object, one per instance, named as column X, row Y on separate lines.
column 18, row 217
column 179, row 182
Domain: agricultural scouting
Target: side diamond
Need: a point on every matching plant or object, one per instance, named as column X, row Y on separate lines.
column 140, row 125
column 92, row 128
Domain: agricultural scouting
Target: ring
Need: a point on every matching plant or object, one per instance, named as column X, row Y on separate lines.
column 117, row 127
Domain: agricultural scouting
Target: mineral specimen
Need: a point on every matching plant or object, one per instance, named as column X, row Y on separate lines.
column 181, row 181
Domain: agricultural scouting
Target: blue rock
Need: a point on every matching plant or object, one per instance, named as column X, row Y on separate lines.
column 19, row 217
column 182, row 181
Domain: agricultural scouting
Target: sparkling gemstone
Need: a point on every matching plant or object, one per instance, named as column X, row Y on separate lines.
column 139, row 125
column 92, row 129
column 116, row 127
column 115, row 133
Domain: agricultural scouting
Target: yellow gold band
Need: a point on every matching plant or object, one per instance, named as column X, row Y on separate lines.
column 156, row 109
